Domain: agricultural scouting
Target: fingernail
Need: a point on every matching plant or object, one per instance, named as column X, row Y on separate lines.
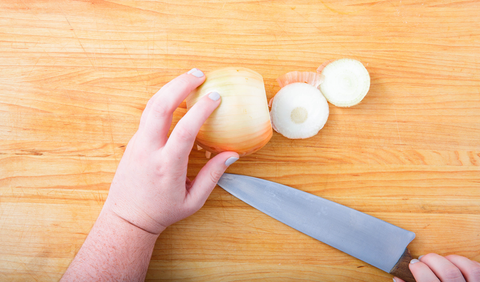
column 414, row 261
column 420, row 257
column 230, row 161
column 196, row 72
column 214, row 96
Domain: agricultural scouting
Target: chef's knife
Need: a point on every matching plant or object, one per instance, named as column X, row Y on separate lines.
column 365, row 237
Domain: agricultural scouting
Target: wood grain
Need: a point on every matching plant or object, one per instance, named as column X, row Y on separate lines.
column 76, row 76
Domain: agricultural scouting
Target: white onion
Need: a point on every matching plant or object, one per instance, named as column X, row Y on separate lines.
column 346, row 82
column 242, row 122
column 299, row 111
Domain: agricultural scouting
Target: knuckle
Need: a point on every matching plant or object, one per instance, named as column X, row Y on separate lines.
column 181, row 83
column 158, row 166
column 215, row 176
column 163, row 168
column 159, row 170
column 150, row 102
column 428, row 257
column 449, row 257
column 474, row 271
column 148, row 107
column 161, row 109
column 451, row 273
column 184, row 82
column 184, row 134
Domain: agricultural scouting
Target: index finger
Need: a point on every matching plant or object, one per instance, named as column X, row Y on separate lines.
column 422, row 272
column 157, row 116
column 183, row 135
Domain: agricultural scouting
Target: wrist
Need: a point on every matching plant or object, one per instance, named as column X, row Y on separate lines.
column 112, row 244
column 109, row 219
column 133, row 214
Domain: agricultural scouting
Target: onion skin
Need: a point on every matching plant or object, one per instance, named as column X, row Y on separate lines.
column 312, row 78
column 242, row 121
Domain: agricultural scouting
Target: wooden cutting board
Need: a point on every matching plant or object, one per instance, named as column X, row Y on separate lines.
column 76, row 75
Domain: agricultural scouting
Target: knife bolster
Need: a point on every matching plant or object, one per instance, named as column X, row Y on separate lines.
column 401, row 269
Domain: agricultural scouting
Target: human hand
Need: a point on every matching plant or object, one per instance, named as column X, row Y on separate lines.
column 452, row 268
column 150, row 189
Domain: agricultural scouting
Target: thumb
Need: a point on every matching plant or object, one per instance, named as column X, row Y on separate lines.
column 207, row 179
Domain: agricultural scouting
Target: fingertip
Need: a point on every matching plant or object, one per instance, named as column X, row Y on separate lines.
column 422, row 257
column 196, row 76
column 183, row 84
column 209, row 175
column 196, row 72
column 230, row 158
column 207, row 105
column 418, row 270
column 415, row 264
column 230, row 161
column 214, row 96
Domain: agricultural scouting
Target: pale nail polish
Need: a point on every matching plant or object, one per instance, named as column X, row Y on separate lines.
column 214, row 96
column 196, row 72
column 414, row 261
column 230, row 161
column 420, row 257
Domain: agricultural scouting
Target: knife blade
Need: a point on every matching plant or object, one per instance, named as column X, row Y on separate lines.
column 374, row 241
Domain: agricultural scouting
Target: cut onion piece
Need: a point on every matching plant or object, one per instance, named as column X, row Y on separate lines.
column 299, row 111
column 346, row 82
column 312, row 78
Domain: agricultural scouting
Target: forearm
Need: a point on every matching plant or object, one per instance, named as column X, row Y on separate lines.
column 115, row 250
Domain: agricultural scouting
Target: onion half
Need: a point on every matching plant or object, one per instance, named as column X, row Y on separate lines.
column 242, row 121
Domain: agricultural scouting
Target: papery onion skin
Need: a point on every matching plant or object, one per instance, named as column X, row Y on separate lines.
column 312, row 78
column 242, row 121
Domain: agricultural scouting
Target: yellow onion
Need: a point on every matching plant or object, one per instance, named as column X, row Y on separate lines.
column 242, row 121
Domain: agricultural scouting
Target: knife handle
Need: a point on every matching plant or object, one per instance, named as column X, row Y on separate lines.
column 401, row 269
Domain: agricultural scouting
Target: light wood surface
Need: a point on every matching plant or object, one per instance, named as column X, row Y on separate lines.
column 76, row 75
